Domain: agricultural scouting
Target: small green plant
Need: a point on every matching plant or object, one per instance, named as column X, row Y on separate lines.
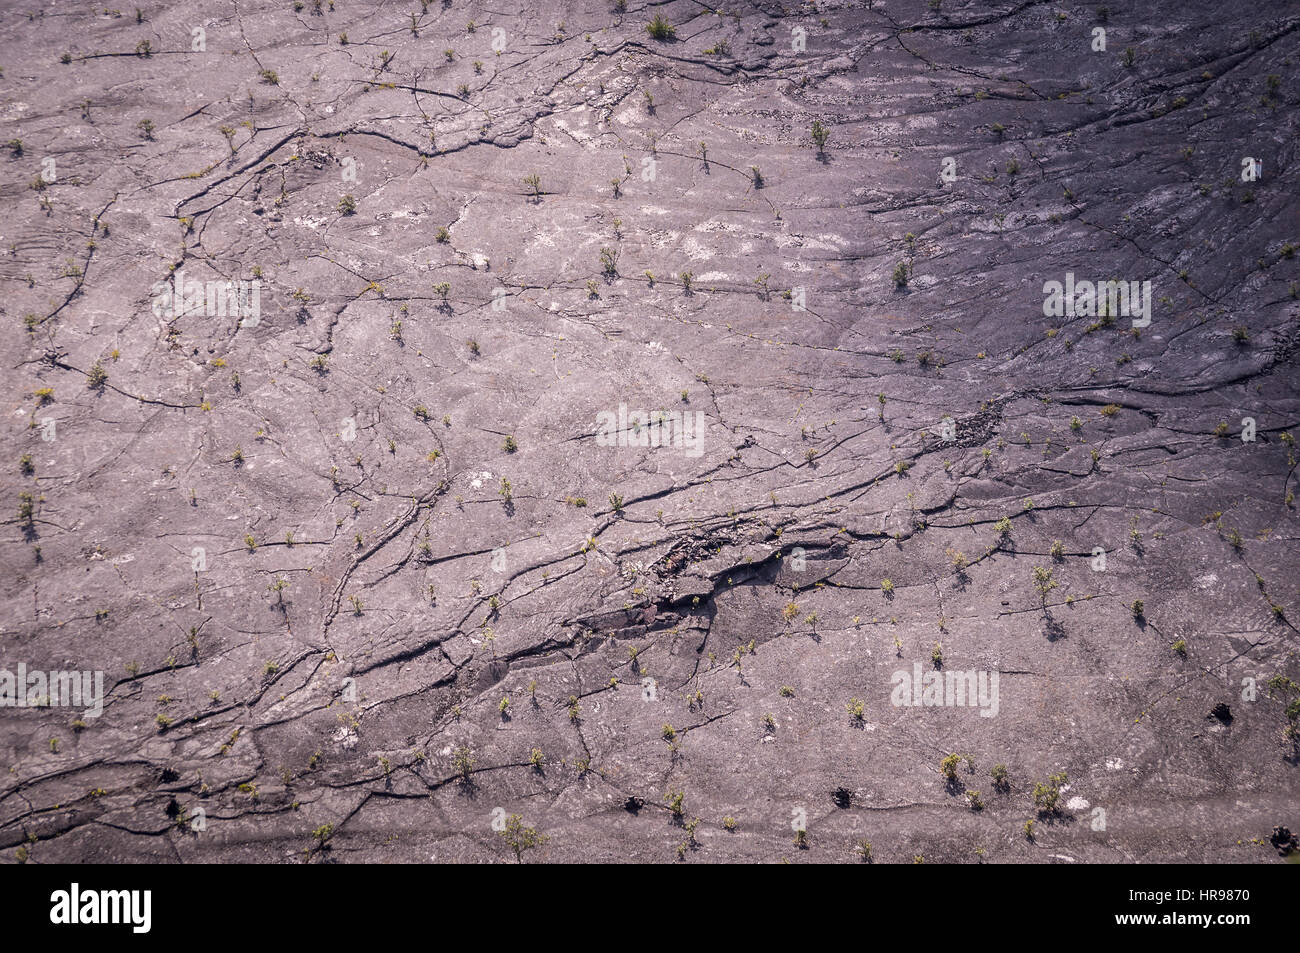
column 948, row 766
column 820, row 136
column 520, row 838
column 609, row 262
column 1048, row 794
column 462, row 760
column 348, row 205
column 1044, row 582
column 661, row 30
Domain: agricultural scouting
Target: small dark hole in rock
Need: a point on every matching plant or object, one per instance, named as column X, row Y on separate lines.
column 1283, row 840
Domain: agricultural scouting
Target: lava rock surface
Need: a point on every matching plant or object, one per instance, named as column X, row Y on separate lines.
column 391, row 570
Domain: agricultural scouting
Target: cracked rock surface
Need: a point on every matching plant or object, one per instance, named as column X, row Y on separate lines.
column 396, row 558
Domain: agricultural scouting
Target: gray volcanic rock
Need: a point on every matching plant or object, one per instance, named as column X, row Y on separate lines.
column 600, row 469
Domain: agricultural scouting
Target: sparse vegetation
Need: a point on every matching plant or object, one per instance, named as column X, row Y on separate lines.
column 520, row 838
column 949, row 765
column 661, row 30
column 1044, row 582
column 1047, row 793
column 820, row 135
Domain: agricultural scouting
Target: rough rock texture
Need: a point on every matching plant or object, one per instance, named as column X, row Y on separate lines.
column 313, row 552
